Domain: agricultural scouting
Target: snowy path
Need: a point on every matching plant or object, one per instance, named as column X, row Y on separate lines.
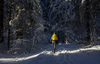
column 65, row 54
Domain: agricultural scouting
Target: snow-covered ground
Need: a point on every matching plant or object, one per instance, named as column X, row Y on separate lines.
column 65, row 54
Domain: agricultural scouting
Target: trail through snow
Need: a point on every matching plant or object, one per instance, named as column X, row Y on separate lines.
column 65, row 54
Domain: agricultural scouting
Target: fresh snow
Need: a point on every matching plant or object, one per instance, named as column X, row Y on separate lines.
column 65, row 54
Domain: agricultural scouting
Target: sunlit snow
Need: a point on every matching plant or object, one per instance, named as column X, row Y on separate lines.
column 61, row 51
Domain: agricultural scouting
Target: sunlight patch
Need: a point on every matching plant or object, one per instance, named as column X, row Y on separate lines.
column 65, row 51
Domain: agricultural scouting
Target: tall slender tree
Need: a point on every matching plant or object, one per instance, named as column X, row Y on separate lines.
column 87, row 18
column 1, row 20
column 10, row 9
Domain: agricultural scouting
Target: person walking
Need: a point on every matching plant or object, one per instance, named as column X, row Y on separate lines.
column 54, row 41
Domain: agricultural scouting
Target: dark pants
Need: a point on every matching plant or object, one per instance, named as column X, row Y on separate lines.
column 54, row 42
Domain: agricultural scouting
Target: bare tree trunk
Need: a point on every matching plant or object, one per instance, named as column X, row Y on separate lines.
column 8, row 37
column 10, row 2
column 93, row 32
column 1, row 21
column 66, row 38
column 87, row 18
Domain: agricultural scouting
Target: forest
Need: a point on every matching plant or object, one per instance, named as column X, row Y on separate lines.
column 26, row 25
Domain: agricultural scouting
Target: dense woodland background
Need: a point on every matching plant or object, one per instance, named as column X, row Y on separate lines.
column 26, row 25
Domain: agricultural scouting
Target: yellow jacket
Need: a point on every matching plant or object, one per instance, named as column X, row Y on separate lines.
column 54, row 37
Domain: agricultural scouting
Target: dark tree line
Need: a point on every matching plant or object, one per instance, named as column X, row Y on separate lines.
column 89, row 18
